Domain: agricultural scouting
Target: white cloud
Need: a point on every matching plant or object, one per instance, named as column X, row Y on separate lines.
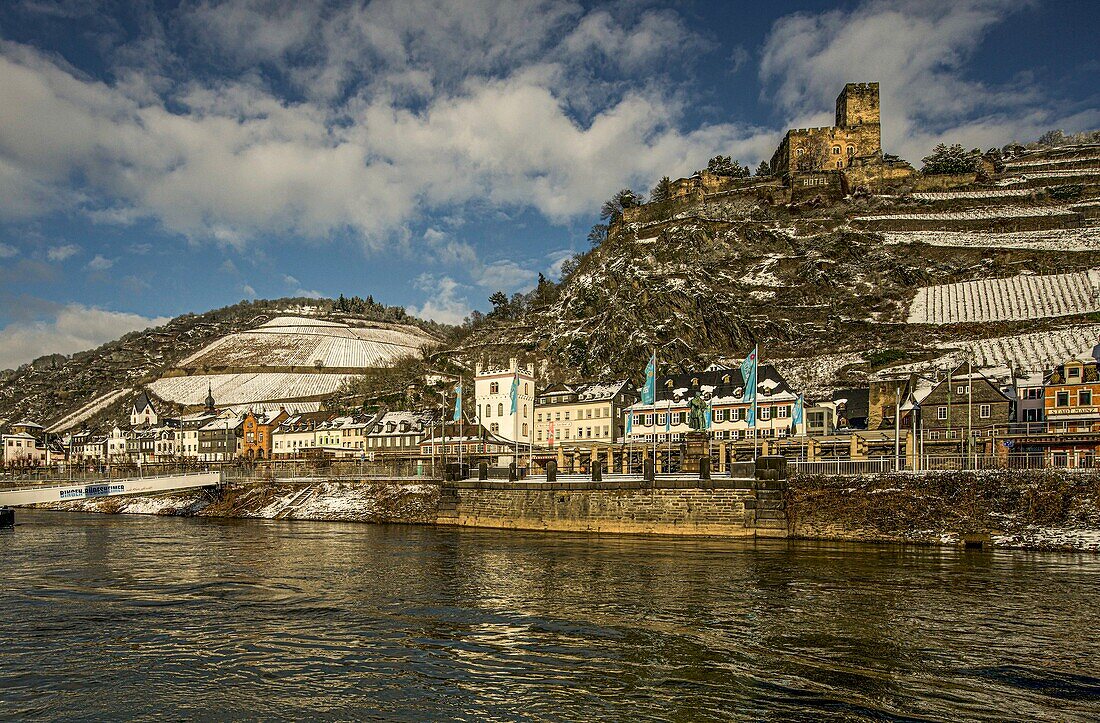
column 60, row 253
column 493, row 121
column 506, row 275
column 918, row 52
column 100, row 263
column 446, row 304
column 248, row 291
column 74, row 328
column 7, row 251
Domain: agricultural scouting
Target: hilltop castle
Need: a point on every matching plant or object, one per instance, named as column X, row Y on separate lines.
column 851, row 149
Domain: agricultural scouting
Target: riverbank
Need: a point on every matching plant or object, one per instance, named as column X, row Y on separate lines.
column 1048, row 509
column 1037, row 509
column 322, row 501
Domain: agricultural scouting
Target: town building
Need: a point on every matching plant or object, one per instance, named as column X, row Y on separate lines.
column 296, row 436
column 220, row 439
column 468, row 444
column 186, row 442
column 24, row 446
column 142, row 412
column 493, row 400
column 343, row 437
column 398, row 433
column 568, row 415
column 663, row 424
column 256, row 443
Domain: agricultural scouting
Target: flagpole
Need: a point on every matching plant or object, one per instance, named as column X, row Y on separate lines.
column 756, row 407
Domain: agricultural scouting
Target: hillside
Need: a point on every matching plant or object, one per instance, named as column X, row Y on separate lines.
column 95, row 386
column 835, row 288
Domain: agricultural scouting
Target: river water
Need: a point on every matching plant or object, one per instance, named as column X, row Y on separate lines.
column 148, row 617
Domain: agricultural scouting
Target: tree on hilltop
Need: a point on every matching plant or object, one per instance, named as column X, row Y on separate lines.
column 613, row 208
column 946, row 159
column 763, row 170
column 662, row 191
column 726, row 166
column 597, row 235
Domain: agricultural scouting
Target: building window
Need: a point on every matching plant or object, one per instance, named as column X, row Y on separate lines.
column 1084, row 398
column 525, row 411
column 1073, row 372
column 524, row 429
column 799, row 152
column 494, row 388
column 784, row 412
column 984, row 411
column 500, row 410
column 934, row 435
column 962, row 389
column 494, row 427
column 851, row 151
column 719, row 415
column 836, row 150
column 765, row 413
column 941, row 412
column 1062, row 399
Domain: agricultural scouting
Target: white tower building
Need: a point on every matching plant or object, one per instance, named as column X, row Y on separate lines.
column 493, row 400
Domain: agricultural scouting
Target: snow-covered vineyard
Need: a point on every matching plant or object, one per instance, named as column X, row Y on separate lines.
column 1035, row 352
column 974, row 214
column 1019, row 297
column 297, row 342
column 1086, row 238
column 236, row 389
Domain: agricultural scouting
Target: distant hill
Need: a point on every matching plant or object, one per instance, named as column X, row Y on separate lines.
column 94, row 387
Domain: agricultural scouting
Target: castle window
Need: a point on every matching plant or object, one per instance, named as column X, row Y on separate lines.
column 840, row 164
column 836, row 150
column 851, row 151
column 494, row 388
column 799, row 152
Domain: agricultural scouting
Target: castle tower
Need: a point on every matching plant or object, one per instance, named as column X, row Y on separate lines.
column 857, row 105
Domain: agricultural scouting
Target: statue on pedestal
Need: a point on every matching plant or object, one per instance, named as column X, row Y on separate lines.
column 697, row 414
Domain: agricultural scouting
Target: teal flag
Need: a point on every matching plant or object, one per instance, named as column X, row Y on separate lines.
column 630, row 423
column 750, row 415
column 649, row 391
column 458, row 403
column 748, row 375
column 515, row 392
column 796, row 418
column 668, row 419
column 709, row 415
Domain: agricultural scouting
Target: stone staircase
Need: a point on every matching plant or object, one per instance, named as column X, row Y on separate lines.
column 447, row 509
column 770, row 489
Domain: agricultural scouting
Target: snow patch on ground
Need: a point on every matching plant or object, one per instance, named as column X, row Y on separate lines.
column 1086, row 238
column 1034, row 537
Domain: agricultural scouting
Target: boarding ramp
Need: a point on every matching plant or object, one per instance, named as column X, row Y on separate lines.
column 41, row 494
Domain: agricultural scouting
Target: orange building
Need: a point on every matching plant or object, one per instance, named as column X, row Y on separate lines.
column 1072, row 408
column 256, row 430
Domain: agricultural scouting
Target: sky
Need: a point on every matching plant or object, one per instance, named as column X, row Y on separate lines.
column 161, row 158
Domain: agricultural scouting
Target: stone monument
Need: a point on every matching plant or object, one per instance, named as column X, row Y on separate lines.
column 697, row 441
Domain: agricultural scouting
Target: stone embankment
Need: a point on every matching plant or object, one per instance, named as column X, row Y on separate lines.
column 1036, row 509
column 1033, row 509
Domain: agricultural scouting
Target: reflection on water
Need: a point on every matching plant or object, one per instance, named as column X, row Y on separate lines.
column 107, row 616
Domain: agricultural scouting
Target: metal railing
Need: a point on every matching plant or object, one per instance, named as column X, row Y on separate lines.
column 1041, row 429
column 845, row 467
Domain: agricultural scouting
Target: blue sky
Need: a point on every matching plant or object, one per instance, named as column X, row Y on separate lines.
column 159, row 158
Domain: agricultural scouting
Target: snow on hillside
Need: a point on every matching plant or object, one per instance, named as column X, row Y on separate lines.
column 1086, row 238
column 813, row 376
column 295, row 342
column 990, row 212
column 233, row 389
column 88, row 410
column 1018, row 297
column 1033, row 352
column 1060, row 174
column 1050, row 161
column 983, row 193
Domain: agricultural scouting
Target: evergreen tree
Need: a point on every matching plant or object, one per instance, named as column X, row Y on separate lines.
column 662, row 191
column 946, row 159
column 726, row 166
column 763, row 170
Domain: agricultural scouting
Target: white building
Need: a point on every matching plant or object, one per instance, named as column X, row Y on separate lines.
column 142, row 412
column 493, row 400
column 723, row 390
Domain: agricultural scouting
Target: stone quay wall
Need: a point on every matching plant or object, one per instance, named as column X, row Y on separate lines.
column 724, row 507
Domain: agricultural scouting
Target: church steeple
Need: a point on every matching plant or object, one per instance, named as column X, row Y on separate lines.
column 209, row 398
